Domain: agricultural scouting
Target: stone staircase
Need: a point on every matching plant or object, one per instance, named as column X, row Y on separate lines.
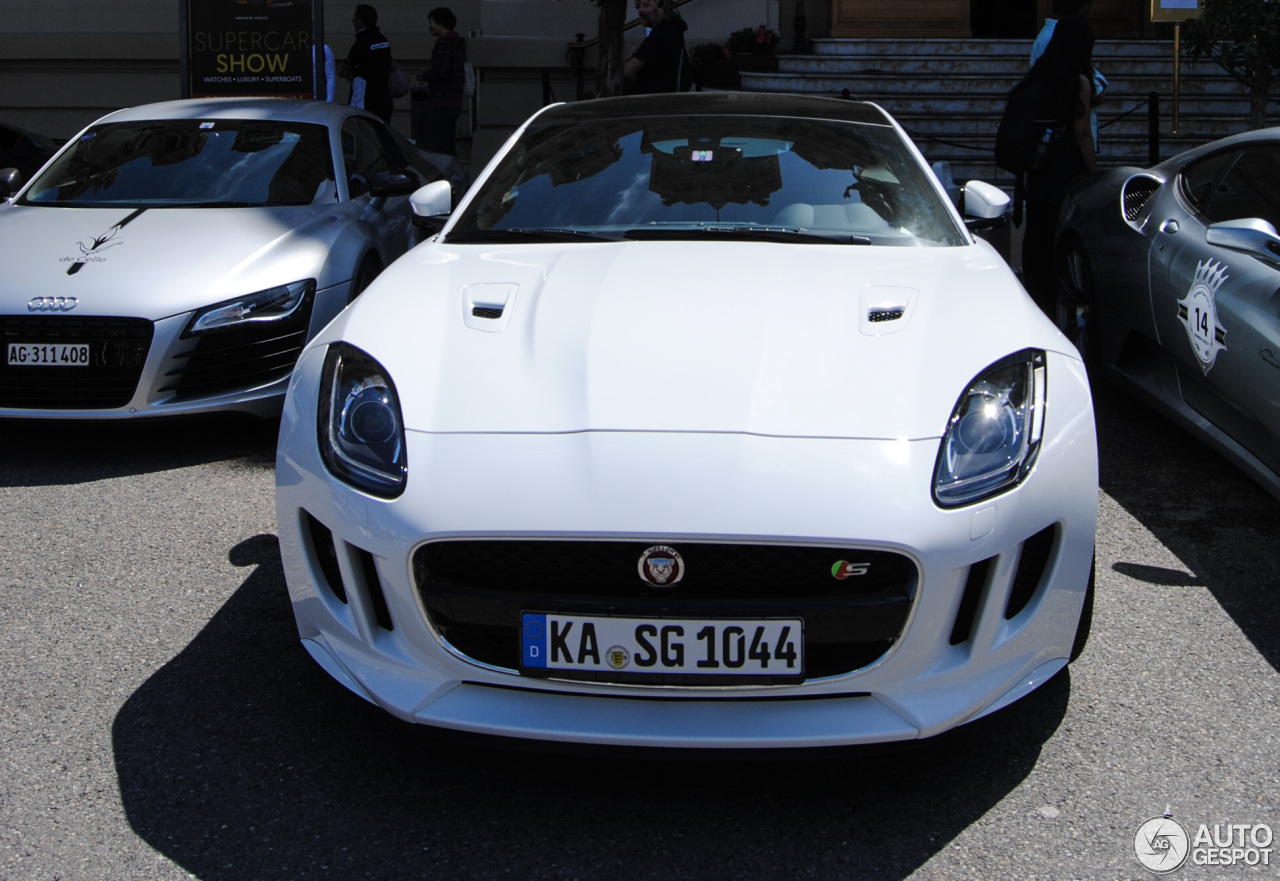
column 949, row 94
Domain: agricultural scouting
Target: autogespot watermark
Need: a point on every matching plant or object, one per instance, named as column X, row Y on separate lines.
column 1163, row 844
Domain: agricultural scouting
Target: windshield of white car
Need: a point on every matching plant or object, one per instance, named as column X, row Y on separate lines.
column 190, row 163
column 712, row 177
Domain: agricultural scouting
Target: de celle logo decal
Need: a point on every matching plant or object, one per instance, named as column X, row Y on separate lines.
column 91, row 249
column 1198, row 313
column 661, row 566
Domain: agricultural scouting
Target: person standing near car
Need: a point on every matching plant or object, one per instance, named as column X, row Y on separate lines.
column 659, row 63
column 370, row 60
column 1066, row 67
column 445, row 76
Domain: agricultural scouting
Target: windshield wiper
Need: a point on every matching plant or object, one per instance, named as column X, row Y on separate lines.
column 531, row 234
column 765, row 233
column 216, row 204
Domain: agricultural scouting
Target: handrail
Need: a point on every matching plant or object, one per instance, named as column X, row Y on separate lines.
column 635, row 22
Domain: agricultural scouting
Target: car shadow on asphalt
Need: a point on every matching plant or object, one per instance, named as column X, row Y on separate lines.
column 241, row 759
column 1220, row 524
column 36, row 452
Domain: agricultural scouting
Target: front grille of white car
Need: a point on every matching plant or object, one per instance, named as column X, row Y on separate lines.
column 242, row 356
column 475, row 590
column 117, row 352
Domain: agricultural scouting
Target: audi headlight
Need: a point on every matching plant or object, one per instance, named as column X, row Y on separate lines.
column 273, row 304
column 359, row 427
column 994, row 434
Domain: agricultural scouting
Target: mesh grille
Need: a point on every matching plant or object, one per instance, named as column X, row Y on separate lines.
column 1137, row 192
column 474, row 592
column 244, row 356
column 117, row 352
column 486, row 312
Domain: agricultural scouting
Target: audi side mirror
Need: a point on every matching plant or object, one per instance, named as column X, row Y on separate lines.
column 386, row 184
column 10, row 182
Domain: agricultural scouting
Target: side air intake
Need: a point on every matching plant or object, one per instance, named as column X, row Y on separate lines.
column 1137, row 192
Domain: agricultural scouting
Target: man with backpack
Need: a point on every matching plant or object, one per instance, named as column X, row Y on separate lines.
column 660, row 63
column 1045, row 139
column 370, row 60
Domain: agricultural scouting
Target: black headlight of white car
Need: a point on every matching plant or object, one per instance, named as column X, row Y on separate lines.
column 360, row 430
column 994, row 433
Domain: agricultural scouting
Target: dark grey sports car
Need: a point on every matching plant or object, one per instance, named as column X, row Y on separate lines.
column 1170, row 284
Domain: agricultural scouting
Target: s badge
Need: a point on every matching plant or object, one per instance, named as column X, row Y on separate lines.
column 843, row 569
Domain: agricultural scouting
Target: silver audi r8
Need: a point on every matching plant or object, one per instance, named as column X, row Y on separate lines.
column 175, row 258
column 1168, row 283
column 704, row 421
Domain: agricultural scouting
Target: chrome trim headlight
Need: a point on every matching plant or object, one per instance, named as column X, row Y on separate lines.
column 994, row 433
column 273, row 304
column 359, row 427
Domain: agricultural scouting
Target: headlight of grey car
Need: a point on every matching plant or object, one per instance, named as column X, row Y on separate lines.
column 994, row 433
column 359, row 426
column 273, row 304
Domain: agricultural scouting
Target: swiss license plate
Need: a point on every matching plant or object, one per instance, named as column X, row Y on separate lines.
column 48, row 354
column 662, row 648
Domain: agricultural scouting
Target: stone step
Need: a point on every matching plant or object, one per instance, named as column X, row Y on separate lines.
column 1014, row 66
column 977, row 50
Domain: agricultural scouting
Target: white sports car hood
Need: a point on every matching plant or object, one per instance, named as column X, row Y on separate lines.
column 156, row 262
column 785, row 340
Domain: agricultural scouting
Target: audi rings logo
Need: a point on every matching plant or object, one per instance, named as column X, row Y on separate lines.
column 52, row 304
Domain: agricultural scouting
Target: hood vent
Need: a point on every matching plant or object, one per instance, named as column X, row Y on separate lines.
column 487, row 307
column 1137, row 192
column 893, row 314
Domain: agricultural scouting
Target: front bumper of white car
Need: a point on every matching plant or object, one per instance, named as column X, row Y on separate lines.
column 995, row 591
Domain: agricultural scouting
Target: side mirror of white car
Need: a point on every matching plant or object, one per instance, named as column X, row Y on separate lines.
column 431, row 205
column 1253, row 235
column 433, row 200
column 984, row 202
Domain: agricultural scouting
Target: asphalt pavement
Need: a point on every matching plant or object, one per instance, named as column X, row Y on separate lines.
column 160, row 720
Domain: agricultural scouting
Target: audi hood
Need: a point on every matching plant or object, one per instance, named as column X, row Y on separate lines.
column 843, row 341
column 153, row 263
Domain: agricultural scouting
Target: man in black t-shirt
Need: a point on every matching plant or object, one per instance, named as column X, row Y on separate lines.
column 656, row 65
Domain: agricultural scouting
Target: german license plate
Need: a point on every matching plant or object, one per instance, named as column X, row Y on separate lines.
column 661, row 649
column 48, row 354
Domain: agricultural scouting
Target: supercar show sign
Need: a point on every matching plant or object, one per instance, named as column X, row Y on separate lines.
column 243, row 48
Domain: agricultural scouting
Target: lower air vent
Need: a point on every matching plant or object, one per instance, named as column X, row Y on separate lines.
column 486, row 312
column 1031, row 567
column 1137, row 192
column 326, row 556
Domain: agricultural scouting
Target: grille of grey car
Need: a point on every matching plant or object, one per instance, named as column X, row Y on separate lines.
column 242, row 356
column 117, row 352
column 474, row 592
column 1137, row 192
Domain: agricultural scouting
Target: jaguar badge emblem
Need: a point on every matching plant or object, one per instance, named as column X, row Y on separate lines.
column 661, row 566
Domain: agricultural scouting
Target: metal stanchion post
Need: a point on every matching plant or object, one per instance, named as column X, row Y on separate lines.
column 1177, row 69
column 1153, row 128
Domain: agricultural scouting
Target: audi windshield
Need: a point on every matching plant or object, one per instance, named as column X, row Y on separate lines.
column 190, row 163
